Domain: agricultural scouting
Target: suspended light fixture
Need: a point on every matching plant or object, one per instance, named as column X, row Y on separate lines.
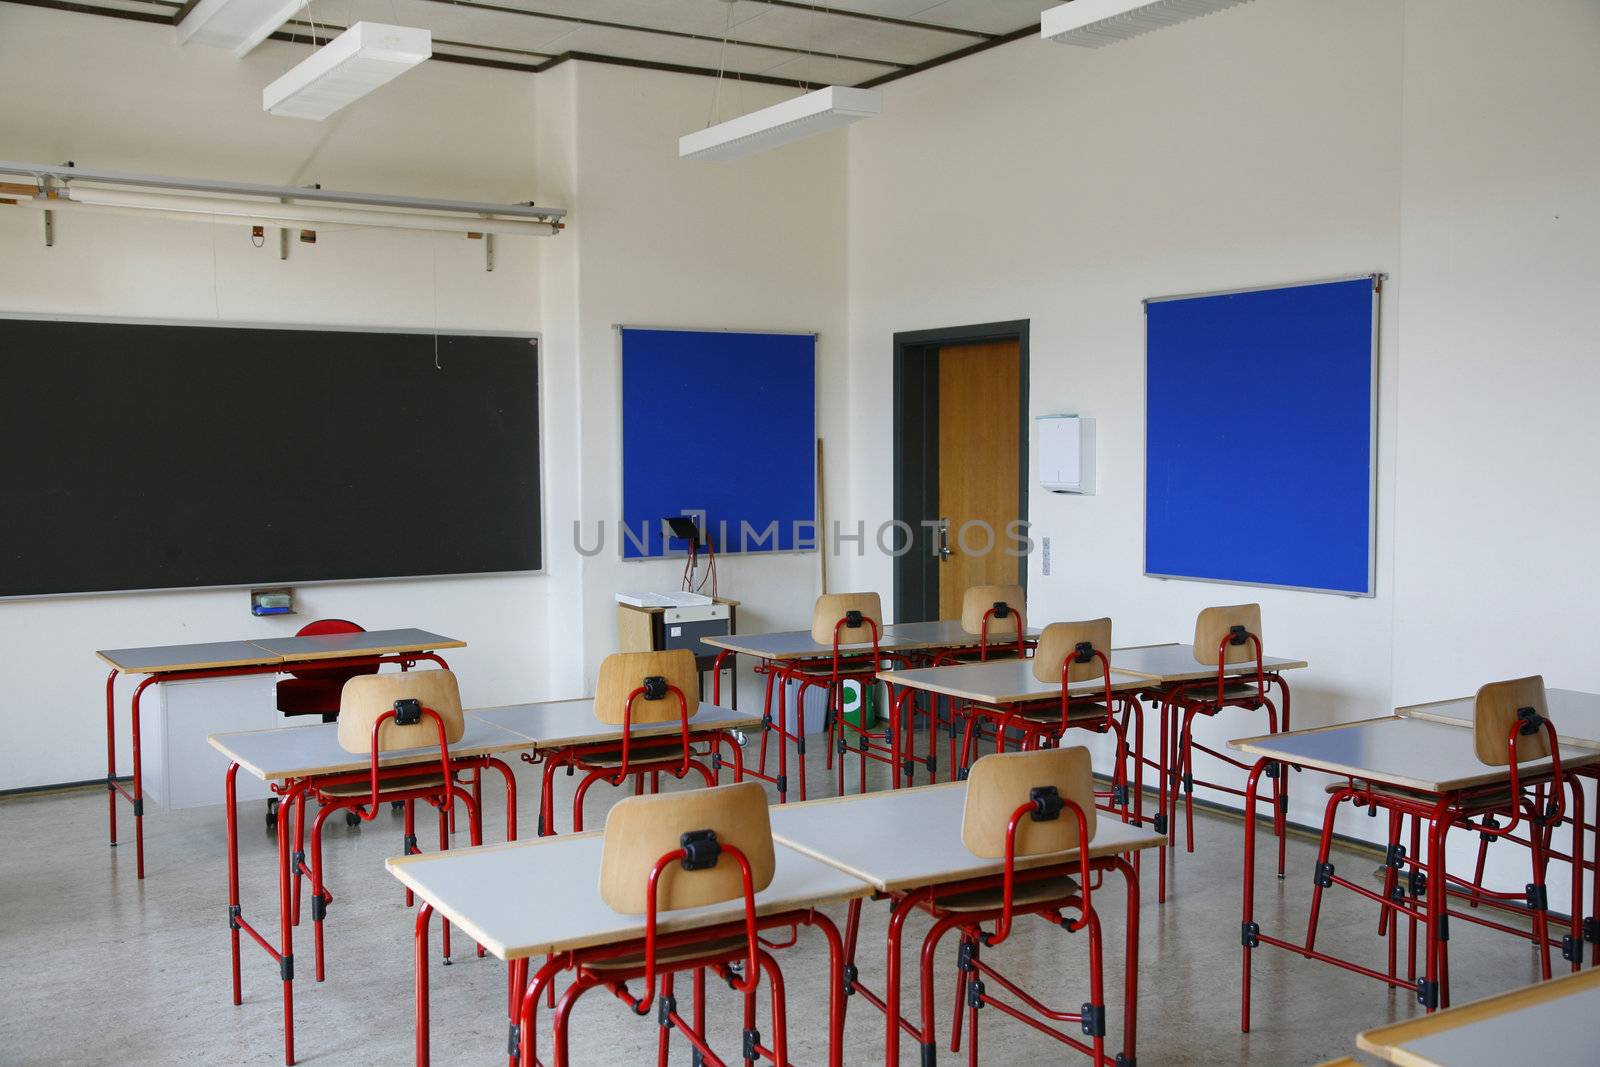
column 237, row 25
column 780, row 124
column 359, row 60
column 1093, row 23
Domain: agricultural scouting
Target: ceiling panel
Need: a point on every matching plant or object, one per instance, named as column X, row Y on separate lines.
column 839, row 42
column 991, row 16
column 849, row 37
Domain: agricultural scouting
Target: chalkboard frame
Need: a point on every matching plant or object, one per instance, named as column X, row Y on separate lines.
column 540, row 410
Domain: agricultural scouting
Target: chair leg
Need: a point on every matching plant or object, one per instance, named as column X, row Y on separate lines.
column 410, row 844
column 319, row 902
column 1323, row 849
column 447, row 813
column 780, row 1028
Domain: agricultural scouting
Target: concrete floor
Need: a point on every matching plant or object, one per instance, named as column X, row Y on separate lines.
column 96, row 967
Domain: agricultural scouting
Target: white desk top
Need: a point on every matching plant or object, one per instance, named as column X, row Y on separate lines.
column 1555, row 1022
column 1574, row 714
column 896, row 637
column 559, row 723
column 787, row 644
column 1176, row 663
column 299, row 751
column 946, row 633
column 908, row 838
column 165, row 659
column 1411, row 753
column 527, row 898
column 1000, row 681
column 367, row 643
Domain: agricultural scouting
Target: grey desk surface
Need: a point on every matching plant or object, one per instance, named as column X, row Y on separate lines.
column 558, row 723
column 1574, row 714
column 370, row 642
column 1555, row 1022
column 1000, row 681
column 164, row 659
column 1412, row 753
column 298, row 751
column 527, row 898
column 945, row 633
column 907, row 838
column 896, row 637
column 787, row 644
column 1176, row 663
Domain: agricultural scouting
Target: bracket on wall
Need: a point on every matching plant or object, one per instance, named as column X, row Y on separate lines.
column 488, row 247
column 49, row 228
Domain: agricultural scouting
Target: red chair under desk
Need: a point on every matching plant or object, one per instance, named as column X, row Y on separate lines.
column 997, row 616
column 317, row 690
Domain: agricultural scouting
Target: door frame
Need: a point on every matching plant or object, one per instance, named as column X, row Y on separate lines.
column 916, row 422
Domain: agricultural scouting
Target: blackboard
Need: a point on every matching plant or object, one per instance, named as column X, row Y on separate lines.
column 154, row 456
column 1261, row 436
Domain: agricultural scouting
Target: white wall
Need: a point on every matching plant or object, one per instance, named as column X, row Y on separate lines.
column 654, row 241
column 1448, row 143
column 672, row 243
column 1064, row 186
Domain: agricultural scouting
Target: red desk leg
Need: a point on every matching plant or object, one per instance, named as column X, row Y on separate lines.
column 420, row 964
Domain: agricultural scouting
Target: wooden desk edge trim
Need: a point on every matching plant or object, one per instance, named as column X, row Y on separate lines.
column 1384, row 1040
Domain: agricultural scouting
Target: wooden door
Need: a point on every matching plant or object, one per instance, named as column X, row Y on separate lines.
column 980, row 423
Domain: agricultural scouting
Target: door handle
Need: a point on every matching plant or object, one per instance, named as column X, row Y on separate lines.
column 944, row 540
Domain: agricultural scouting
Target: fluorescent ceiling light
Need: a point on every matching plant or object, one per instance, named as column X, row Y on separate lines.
column 792, row 120
column 1092, row 23
column 239, row 25
column 350, row 66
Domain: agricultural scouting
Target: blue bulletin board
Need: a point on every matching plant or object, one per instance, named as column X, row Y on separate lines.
column 1261, row 436
column 723, row 423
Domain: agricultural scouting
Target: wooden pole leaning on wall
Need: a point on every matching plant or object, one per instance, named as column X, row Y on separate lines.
column 822, row 525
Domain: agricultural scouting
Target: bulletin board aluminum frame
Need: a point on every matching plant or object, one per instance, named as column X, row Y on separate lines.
column 817, row 543
column 1376, row 280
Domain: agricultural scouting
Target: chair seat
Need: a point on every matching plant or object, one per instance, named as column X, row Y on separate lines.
column 1035, row 892
column 310, row 696
column 1076, row 713
column 847, row 669
column 657, row 751
column 1488, row 801
column 670, row 955
column 390, row 785
column 1230, row 691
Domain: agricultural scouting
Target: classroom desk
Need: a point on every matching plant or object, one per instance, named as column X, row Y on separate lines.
column 1006, row 684
column 537, row 898
column 1171, row 670
column 776, row 653
column 1574, row 714
column 1576, row 717
column 1554, row 1022
column 1437, row 765
column 222, row 659
column 907, row 841
column 561, row 730
column 296, row 758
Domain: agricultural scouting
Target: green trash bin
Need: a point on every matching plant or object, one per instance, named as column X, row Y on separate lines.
column 859, row 712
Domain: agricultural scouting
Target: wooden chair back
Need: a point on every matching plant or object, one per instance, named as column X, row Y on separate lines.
column 367, row 696
column 831, row 607
column 999, row 784
column 640, row 830
column 1059, row 642
column 623, row 672
column 1213, row 624
column 977, row 601
column 1496, row 709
